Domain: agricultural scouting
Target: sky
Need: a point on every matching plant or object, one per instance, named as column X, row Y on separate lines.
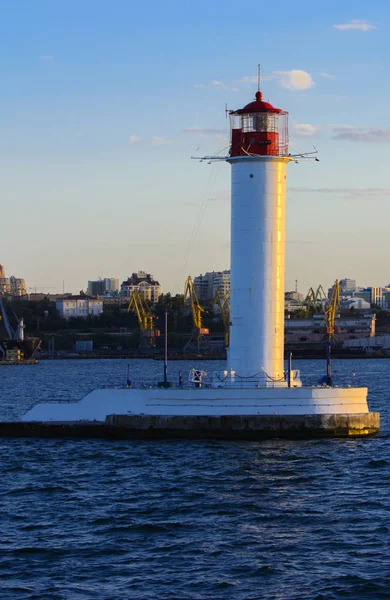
column 104, row 103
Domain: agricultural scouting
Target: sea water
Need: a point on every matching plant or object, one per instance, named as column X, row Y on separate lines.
column 103, row 520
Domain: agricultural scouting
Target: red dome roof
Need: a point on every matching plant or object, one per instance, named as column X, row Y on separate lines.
column 258, row 106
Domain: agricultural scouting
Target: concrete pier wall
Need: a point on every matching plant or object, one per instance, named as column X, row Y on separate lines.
column 202, row 427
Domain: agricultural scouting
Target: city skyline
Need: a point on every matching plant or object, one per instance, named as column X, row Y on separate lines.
column 100, row 118
column 346, row 284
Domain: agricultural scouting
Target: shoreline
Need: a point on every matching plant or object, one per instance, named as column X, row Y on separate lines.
column 194, row 357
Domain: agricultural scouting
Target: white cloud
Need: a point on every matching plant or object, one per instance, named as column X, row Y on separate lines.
column 304, row 130
column 327, row 75
column 235, row 89
column 216, row 82
column 134, row 139
column 160, row 141
column 351, row 133
column 200, row 86
column 296, row 79
column 46, row 57
column 356, row 25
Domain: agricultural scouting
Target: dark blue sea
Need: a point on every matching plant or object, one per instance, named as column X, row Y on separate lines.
column 177, row 520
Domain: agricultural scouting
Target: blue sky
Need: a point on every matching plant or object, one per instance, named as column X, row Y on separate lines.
column 103, row 103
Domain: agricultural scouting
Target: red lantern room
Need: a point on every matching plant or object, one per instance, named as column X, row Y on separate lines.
column 259, row 129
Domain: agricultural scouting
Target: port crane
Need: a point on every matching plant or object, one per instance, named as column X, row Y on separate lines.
column 199, row 332
column 315, row 299
column 330, row 315
column 145, row 318
column 223, row 303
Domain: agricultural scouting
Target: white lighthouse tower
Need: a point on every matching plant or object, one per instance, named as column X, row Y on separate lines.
column 258, row 157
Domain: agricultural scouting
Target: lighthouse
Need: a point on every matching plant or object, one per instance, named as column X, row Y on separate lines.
column 258, row 158
column 252, row 398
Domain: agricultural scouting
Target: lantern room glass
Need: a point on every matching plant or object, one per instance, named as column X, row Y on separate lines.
column 260, row 122
column 263, row 122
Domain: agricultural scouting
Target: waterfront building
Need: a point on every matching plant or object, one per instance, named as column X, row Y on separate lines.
column 379, row 345
column 79, row 306
column 301, row 331
column 144, row 283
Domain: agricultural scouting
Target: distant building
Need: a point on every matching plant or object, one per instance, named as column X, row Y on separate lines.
column 207, row 285
column 372, row 345
column 79, row 306
column 373, row 295
column 144, row 283
column 96, row 288
column 386, row 296
column 109, row 286
column 221, row 282
column 39, row 296
column 347, row 287
column 203, row 285
column 84, row 346
column 293, row 301
column 364, row 293
column 377, row 296
column 12, row 286
column 314, row 330
column 354, row 302
column 112, row 285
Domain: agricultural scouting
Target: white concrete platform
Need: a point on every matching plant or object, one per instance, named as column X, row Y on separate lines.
column 99, row 403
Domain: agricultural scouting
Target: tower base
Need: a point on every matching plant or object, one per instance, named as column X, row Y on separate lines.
column 253, row 427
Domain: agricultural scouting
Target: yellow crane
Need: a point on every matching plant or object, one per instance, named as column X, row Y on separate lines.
column 198, row 331
column 196, row 309
column 145, row 317
column 331, row 310
column 223, row 303
column 330, row 315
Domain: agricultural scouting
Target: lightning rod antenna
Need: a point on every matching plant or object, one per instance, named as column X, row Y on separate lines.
column 258, row 77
